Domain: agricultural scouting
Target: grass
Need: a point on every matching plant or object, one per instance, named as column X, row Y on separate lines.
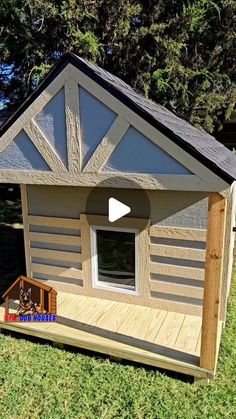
column 39, row 381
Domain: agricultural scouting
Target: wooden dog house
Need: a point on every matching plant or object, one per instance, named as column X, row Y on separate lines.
column 152, row 286
column 41, row 294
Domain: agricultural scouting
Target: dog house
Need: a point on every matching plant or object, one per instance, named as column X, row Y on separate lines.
column 152, row 286
column 42, row 294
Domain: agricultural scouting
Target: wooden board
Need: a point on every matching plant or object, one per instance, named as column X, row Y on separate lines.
column 133, row 321
column 47, row 257
column 169, row 330
column 177, row 260
column 228, row 251
column 151, row 324
column 44, row 147
column 189, row 334
column 176, row 289
column 55, row 255
column 56, row 270
column 176, row 306
column 72, row 111
column 55, row 238
column 177, row 252
column 175, row 270
column 115, row 319
column 126, row 331
column 213, row 279
column 24, row 204
column 107, row 145
column 54, row 221
column 178, row 233
column 120, row 180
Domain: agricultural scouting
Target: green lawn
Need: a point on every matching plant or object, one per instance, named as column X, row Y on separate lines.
column 39, row 381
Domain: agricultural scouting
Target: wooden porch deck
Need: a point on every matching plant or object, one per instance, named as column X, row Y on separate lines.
column 155, row 337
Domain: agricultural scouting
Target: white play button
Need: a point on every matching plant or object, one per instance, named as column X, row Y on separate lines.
column 116, row 209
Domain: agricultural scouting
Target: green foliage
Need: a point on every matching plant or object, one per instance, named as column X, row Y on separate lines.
column 88, row 45
column 180, row 54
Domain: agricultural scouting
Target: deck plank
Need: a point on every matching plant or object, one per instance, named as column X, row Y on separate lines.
column 133, row 321
column 104, row 311
column 189, row 333
column 198, row 346
column 117, row 317
column 88, row 310
column 141, row 334
column 72, row 307
column 169, row 330
column 151, row 324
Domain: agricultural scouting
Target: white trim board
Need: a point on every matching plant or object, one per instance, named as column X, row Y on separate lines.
column 25, row 212
column 113, row 180
column 94, row 260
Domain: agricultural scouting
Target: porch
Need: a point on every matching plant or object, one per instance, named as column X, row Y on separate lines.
column 150, row 336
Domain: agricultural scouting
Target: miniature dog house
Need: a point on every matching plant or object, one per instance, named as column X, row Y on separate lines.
column 41, row 293
column 152, row 286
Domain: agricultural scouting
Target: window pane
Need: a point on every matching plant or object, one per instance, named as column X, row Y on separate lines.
column 116, row 258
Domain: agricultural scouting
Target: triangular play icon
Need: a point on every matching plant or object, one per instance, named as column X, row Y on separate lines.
column 116, row 209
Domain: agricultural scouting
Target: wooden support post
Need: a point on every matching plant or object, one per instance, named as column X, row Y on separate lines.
column 228, row 257
column 50, row 302
column 6, row 306
column 42, row 297
column 86, row 252
column 213, row 280
column 25, row 210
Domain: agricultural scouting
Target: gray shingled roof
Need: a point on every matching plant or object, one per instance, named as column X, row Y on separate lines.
column 202, row 146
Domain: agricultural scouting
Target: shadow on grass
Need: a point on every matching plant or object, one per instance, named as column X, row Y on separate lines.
column 12, row 259
column 100, row 356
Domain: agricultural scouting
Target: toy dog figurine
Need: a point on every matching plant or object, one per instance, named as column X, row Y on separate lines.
column 27, row 306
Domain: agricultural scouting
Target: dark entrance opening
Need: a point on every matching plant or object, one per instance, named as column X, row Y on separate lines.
column 12, row 255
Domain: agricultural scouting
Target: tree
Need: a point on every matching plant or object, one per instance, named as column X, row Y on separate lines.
column 178, row 53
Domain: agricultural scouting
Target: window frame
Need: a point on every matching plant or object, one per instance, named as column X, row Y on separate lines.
column 96, row 284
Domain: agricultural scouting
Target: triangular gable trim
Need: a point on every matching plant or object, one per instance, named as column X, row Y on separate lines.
column 77, row 73
column 21, row 154
column 143, row 126
column 27, row 123
column 136, row 153
column 51, row 121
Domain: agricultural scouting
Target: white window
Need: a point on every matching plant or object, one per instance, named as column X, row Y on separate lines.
column 115, row 258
